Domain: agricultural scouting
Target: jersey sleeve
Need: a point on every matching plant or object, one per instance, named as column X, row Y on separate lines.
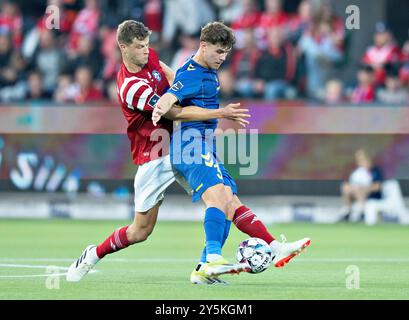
column 186, row 85
column 138, row 95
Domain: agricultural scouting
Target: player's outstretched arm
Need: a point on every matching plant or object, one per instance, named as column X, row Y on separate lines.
column 163, row 105
column 192, row 113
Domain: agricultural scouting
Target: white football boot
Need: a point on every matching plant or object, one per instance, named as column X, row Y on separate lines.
column 284, row 251
column 83, row 264
column 222, row 266
column 200, row 277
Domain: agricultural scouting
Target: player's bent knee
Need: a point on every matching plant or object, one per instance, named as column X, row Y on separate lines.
column 138, row 235
column 217, row 197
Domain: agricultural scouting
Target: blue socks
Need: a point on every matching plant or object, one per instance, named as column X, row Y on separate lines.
column 217, row 230
column 214, row 222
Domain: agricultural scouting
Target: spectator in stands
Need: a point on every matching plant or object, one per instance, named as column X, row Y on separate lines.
column 393, row 93
column 189, row 45
column 49, row 59
column 8, row 75
column 112, row 91
column 404, row 70
column 185, row 15
column 66, row 17
column 11, row 22
column 275, row 69
column 12, row 76
column 365, row 182
column 364, row 92
column 321, row 51
column 383, row 51
column 87, row 53
column 250, row 17
column 152, row 15
column 273, row 15
column 65, row 91
column 299, row 23
column 83, row 89
column 334, row 92
column 86, row 23
column 109, row 51
column 112, row 65
column 35, row 88
column 227, row 84
column 228, row 10
column 327, row 15
column 32, row 37
column 243, row 63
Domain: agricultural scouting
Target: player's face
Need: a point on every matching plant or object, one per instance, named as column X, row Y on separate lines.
column 137, row 52
column 214, row 55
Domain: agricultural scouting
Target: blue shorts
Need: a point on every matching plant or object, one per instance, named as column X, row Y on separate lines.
column 202, row 176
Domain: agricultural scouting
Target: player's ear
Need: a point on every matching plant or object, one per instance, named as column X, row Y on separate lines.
column 122, row 46
column 203, row 45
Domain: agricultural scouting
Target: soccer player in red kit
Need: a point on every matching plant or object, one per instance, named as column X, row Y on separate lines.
column 142, row 79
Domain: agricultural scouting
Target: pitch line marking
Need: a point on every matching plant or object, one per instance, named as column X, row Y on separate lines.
column 149, row 260
column 34, row 267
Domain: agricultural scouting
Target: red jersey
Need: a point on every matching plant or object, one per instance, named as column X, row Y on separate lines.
column 138, row 93
column 268, row 20
column 374, row 55
column 363, row 95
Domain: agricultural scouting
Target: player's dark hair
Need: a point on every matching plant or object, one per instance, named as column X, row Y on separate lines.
column 218, row 33
column 129, row 30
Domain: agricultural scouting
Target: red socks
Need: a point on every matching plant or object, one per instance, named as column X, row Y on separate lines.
column 247, row 222
column 244, row 219
column 115, row 242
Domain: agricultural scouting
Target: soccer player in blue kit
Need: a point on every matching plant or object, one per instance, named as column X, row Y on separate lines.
column 193, row 154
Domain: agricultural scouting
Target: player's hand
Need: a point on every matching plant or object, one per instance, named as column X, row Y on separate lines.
column 233, row 112
column 157, row 114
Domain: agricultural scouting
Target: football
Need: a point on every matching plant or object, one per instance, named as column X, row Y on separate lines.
column 256, row 253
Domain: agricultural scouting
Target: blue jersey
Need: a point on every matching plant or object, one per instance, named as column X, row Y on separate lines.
column 195, row 85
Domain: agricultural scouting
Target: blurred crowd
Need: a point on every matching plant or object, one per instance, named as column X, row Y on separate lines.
column 284, row 50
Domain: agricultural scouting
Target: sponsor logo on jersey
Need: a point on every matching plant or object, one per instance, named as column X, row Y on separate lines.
column 191, row 67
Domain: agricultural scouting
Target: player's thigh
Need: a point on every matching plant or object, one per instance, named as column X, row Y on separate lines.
column 228, row 179
column 151, row 181
column 201, row 176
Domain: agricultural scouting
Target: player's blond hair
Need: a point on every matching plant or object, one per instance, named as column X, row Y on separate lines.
column 218, row 33
column 129, row 30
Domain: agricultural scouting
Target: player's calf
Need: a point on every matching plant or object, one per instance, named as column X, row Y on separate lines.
column 136, row 235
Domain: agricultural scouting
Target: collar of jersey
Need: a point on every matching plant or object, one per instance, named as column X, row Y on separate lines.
column 192, row 61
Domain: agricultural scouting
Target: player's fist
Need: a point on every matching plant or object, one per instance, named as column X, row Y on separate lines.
column 157, row 114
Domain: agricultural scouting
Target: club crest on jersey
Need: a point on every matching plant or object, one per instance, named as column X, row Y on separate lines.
column 177, row 86
column 156, row 75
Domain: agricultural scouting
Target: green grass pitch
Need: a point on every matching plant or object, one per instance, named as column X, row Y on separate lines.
column 160, row 267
